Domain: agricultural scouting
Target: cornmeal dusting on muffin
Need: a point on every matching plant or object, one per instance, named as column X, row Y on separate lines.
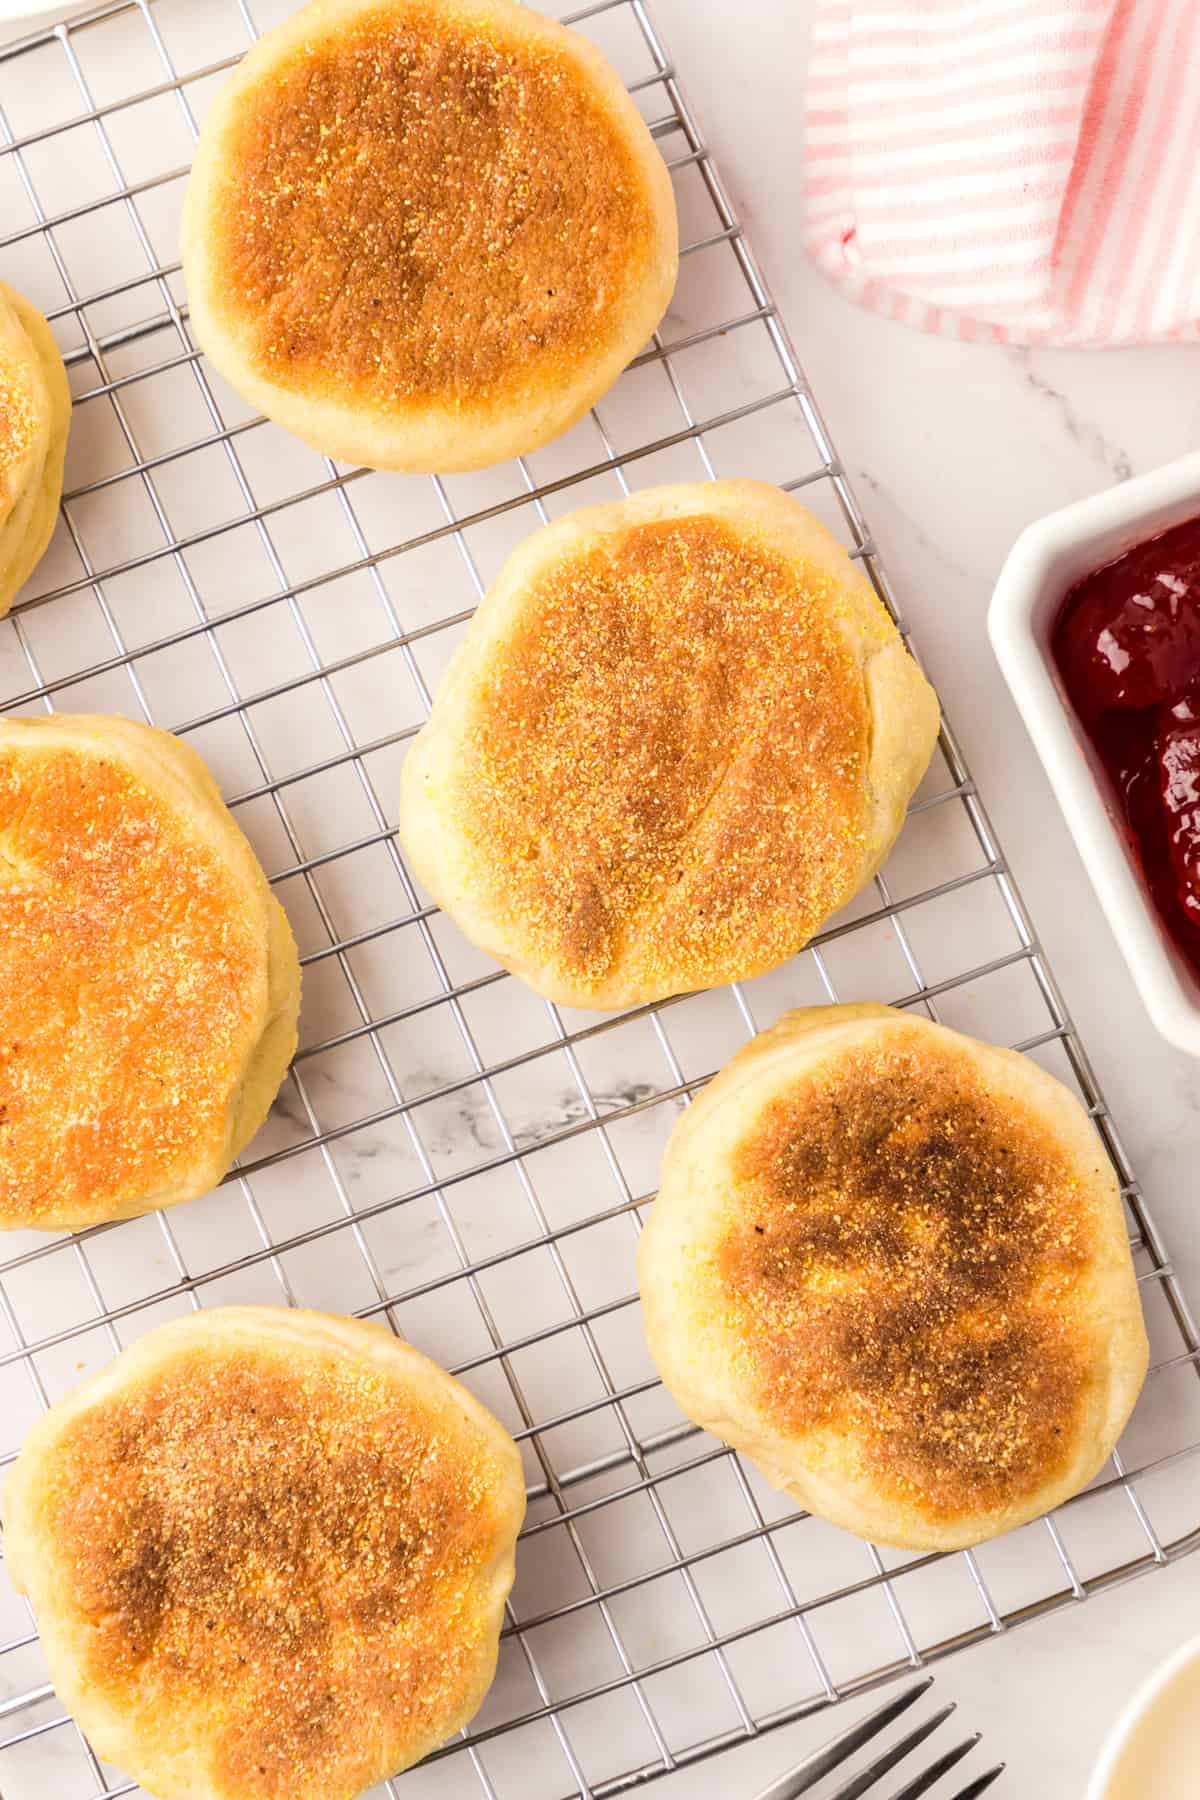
column 131, row 985
column 668, row 759
column 423, row 208
column 905, row 1269
column 19, row 422
column 281, row 1553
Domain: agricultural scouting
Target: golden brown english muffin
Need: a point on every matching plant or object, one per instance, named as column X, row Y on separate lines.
column 35, row 416
column 268, row 1552
column 889, row 1263
column 681, row 733
column 426, row 234
column 149, row 983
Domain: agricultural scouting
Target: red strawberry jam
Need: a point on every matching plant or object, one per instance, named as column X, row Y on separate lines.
column 1127, row 646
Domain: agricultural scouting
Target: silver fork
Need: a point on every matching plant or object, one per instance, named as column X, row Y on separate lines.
column 839, row 1750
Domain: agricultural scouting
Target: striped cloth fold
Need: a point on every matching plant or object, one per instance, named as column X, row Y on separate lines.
column 1020, row 170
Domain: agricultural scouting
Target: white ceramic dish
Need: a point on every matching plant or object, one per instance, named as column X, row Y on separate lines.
column 1153, row 1750
column 19, row 16
column 1045, row 560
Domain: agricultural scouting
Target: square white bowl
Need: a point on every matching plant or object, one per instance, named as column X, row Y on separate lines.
column 1043, row 563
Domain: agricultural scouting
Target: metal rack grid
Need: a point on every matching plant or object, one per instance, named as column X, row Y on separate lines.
column 450, row 1153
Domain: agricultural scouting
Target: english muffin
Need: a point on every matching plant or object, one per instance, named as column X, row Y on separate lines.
column 681, row 733
column 889, row 1263
column 35, row 416
column 268, row 1552
column 149, row 983
column 426, row 234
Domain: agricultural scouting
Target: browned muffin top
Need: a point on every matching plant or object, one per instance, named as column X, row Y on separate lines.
column 131, row 975
column 904, row 1269
column 671, row 745
column 423, row 206
column 280, row 1549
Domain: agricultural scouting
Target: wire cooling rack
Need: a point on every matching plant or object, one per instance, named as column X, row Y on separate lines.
column 450, row 1153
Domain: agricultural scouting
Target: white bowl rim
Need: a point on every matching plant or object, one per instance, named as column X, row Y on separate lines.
column 1023, row 655
column 42, row 12
column 1135, row 1711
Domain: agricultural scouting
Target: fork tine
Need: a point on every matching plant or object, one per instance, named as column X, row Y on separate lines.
column 980, row 1784
column 895, row 1753
column 925, row 1780
column 832, row 1755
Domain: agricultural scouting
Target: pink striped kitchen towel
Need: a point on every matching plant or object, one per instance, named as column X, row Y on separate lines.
column 1019, row 170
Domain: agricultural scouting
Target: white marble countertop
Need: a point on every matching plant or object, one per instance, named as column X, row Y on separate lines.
column 954, row 448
